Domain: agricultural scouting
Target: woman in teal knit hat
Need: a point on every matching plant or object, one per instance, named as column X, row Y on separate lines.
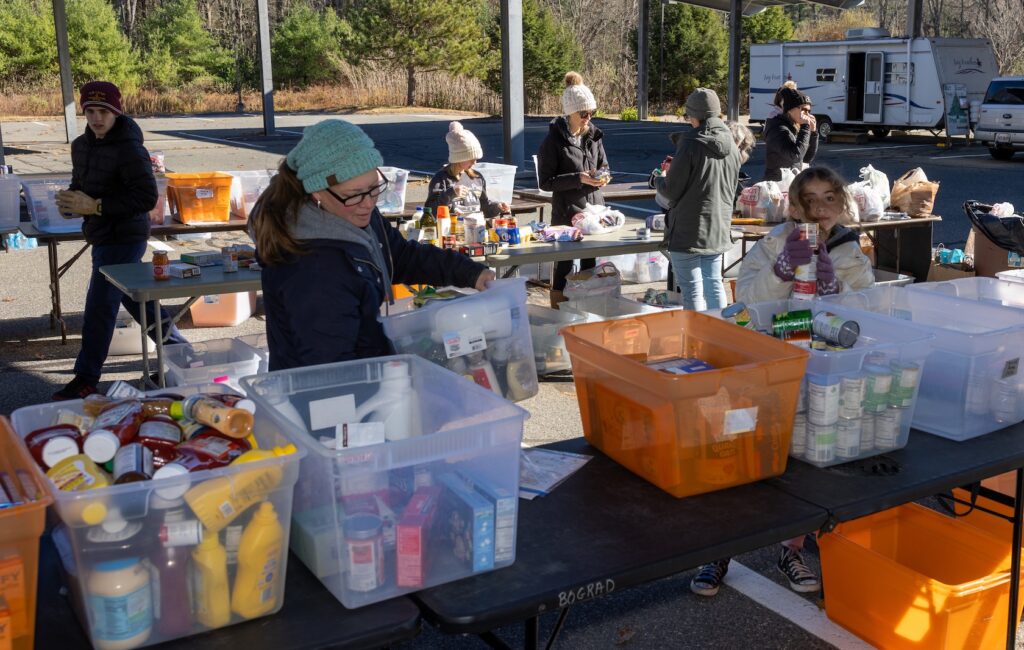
column 329, row 258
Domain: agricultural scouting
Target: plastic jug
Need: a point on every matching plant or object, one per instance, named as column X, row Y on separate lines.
column 393, row 404
column 260, row 565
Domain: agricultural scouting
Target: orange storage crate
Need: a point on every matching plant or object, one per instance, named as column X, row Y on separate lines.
column 910, row 577
column 200, row 198
column 995, row 526
column 687, row 434
column 20, row 529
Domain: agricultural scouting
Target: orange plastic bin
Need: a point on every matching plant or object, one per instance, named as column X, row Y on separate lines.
column 692, row 433
column 20, row 528
column 911, row 577
column 200, row 198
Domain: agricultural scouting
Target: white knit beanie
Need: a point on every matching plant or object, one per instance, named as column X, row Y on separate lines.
column 462, row 145
column 576, row 97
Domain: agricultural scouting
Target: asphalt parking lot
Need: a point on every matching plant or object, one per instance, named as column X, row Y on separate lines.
column 755, row 610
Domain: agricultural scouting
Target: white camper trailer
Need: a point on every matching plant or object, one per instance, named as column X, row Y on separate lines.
column 862, row 83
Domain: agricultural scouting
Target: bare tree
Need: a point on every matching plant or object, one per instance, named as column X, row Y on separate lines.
column 1003, row 25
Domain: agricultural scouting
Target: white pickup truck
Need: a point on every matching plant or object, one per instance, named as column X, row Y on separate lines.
column 1001, row 121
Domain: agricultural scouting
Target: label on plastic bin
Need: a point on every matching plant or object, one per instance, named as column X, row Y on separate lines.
column 211, row 300
column 330, row 412
column 740, row 421
column 1010, row 367
column 204, row 193
column 463, row 342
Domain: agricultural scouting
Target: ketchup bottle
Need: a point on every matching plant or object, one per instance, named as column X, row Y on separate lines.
column 113, row 428
column 53, row 444
column 161, row 435
column 206, row 450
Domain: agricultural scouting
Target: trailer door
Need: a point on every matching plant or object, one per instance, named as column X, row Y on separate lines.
column 874, row 96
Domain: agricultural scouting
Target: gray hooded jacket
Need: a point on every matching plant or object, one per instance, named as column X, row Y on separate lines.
column 700, row 188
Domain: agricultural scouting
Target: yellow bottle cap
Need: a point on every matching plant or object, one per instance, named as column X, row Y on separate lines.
column 177, row 410
column 94, row 513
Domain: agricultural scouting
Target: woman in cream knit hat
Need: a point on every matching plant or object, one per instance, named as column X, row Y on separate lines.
column 458, row 185
column 329, row 258
column 572, row 165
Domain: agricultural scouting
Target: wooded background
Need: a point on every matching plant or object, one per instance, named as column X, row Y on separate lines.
column 201, row 55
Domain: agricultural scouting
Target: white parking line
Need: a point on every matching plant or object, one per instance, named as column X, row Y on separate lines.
column 965, row 155
column 292, row 132
column 203, row 119
column 793, row 608
column 895, row 146
column 233, row 143
column 623, row 206
column 41, row 124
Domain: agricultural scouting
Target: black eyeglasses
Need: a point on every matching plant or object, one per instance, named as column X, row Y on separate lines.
column 586, row 114
column 356, row 199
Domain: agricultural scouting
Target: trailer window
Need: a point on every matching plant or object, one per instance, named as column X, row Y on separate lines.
column 896, row 73
column 826, row 74
column 1005, row 92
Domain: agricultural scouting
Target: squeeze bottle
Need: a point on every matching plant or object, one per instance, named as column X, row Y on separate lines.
column 231, row 421
column 210, row 582
column 393, row 404
column 260, row 565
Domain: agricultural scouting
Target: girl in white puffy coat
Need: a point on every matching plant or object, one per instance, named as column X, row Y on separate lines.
column 816, row 195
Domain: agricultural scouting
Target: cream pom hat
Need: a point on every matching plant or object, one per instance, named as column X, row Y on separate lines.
column 576, row 97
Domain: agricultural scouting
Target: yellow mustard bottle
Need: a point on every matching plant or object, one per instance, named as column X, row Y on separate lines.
column 210, row 582
column 219, row 501
column 260, row 565
column 79, row 473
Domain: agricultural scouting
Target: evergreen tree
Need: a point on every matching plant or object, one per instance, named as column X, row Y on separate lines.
column 99, row 50
column 28, row 50
column 307, row 47
column 696, row 52
column 420, row 36
column 771, row 24
column 179, row 50
column 549, row 51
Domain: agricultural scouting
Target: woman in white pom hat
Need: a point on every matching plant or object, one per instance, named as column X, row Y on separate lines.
column 572, row 165
column 458, row 185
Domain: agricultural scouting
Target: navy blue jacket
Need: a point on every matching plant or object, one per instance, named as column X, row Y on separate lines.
column 117, row 169
column 323, row 306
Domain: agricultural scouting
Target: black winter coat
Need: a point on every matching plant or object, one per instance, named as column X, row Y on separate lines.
column 324, row 306
column 441, row 191
column 117, row 169
column 559, row 163
column 785, row 146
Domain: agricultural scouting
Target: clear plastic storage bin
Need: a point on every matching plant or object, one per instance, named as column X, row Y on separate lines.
column 991, row 291
column 246, row 189
column 548, row 345
column 41, row 198
column 1012, row 275
column 393, row 200
column 21, row 525
column 111, row 541
column 606, row 306
column 484, row 336
column 10, row 202
column 912, row 578
column 435, row 503
column 501, row 180
column 883, row 277
column 210, row 362
column 970, row 385
column 157, row 216
column 687, row 433
column 259, row 344
column 858, row 402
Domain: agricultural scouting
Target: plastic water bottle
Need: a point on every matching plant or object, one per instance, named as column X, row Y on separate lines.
column 416, row 216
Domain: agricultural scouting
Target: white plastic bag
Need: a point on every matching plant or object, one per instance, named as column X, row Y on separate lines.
column 869, row 204
column 770, row 200
column 878, row 182
column 598, row 220
column 1002, row 210
column 601, row 280
column 854, row 208
column 788, row 174
column 651, row 267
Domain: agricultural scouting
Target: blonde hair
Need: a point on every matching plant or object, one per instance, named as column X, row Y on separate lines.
column 573, row 78
column 799, row 209
column 744, row 139
column 275, row 211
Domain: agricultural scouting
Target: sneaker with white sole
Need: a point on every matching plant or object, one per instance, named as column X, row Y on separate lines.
column 709, row 579
column 801, row 578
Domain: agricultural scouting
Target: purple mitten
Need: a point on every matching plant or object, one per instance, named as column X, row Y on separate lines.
column 828, row 284
column 795, row 253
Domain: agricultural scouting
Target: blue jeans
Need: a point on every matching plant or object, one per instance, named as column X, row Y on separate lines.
column 101, row 304
column 699, row 280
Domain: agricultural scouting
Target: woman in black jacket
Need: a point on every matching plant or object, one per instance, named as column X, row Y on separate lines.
column 113, row 188
column 572, row 165
column 790, row 138
column 329, row 257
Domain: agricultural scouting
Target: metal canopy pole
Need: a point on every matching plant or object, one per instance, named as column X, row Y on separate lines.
column 641, row 59
column 67, row 90
column 512, row 107
column 735, row 34
column 266, row 67
column 915, row 15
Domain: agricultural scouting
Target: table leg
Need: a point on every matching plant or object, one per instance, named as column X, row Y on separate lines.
column 56, row 316
column 531, row 632
column 145, row 345
column 158, row 322
column 1018, row 511
column 897, row 236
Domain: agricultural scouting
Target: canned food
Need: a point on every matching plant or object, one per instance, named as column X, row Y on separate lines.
column 643, row 233
column 798, row 444
column 799, row 338
column 821, row 442
column 904, row 380
column 229, row 259
column 822, row 400
column 867, row 432
column 805, row 280
column 364, row 545
column 809, row 233
column 877, row 384
column 836, row 329
column 848, row 438
column 887, row 428
column 801, row 399
column 851, row 396
column 792, row 321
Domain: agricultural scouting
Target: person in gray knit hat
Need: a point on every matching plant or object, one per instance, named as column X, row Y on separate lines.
column 457, row 184
column 699, row 188
column 572, row 165
column 329, row 258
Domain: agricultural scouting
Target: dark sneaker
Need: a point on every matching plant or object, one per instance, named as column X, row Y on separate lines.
column 709, row 579
column 801, row 578
column 77, row 388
